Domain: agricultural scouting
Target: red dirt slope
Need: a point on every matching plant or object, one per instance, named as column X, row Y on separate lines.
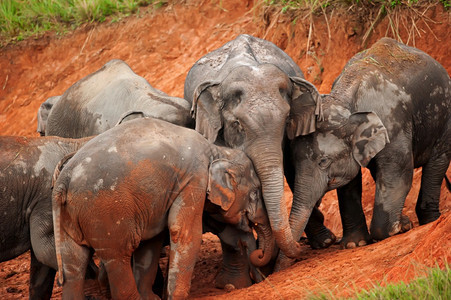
column 161, row 46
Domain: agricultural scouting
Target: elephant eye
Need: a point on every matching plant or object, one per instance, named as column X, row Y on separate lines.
column 254, row 196
column 324, row 162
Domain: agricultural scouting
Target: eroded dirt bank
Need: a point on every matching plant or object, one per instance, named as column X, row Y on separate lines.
column 161, row 46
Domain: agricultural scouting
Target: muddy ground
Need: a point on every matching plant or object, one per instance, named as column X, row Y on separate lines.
column 161, row 45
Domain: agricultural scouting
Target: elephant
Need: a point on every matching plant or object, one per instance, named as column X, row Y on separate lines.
column 96, row 102
column 126, row 186
column 388, row 111
column 26, row 169
column 85, row 111
column 43, row 113
column 244, row 95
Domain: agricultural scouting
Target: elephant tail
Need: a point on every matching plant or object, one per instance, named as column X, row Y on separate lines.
column 448, row 183
column 59, row 195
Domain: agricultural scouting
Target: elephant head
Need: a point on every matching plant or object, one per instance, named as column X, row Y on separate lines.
column 235, row 190
column 250, row 109
column 43, row 113
column 332, row 156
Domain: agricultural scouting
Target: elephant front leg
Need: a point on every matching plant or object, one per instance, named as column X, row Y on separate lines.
column 41, row 279
column 393, row 182
column 319, row 236
column 355, row 230
column 185, row 233
column 427, row 207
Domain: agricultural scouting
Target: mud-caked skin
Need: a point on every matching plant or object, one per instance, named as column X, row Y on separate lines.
column 43, row 113
column 26, row 169
column 389, row 110
column 125, row 187
column 243, row 95
column 96, row 103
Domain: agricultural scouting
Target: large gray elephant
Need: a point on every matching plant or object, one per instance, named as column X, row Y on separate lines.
column 98, row 101
column 389, row 111
column 133, row 181
column 243, row 96
column 43, row 113
column 26, row 169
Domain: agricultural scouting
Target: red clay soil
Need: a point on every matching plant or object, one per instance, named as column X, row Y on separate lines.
column 161, row 45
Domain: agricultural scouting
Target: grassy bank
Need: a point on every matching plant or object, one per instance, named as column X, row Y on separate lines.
column 434, row 285
column 20, row 19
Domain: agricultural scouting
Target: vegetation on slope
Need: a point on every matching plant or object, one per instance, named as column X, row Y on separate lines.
column 20, row 19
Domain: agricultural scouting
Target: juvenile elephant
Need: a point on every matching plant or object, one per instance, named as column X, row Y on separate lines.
column 43, row 113
column 243, row 95
column 96, row 102
column 131, row 182
column 26, row 169
column 389, row 110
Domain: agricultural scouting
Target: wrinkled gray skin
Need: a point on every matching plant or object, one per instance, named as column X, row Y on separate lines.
column 389, row 111
column 243, row 95
column 130, row 183
column 96, row 103
column 26, row 169
column 43, row 113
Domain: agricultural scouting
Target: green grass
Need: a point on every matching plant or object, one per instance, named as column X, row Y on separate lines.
column 436, row 285
column 24, row 18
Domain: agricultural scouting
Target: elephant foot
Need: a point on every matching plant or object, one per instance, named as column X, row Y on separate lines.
column 283, row 262
column 406, row 224
column 320, row 239
column 228, row 280
column 355, row 239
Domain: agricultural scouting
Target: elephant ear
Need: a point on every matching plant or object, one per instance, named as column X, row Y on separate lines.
column 305, row 108
column 130, row 115
column 369, row 138
column 206, row 110
column 222, row 182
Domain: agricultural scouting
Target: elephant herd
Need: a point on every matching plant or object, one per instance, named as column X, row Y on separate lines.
column 123, row 169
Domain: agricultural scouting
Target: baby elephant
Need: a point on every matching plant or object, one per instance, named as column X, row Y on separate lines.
column 129, row 184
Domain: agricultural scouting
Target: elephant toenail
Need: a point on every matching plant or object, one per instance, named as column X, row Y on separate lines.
column 350, row 245
column 327, row 241
column 229, row 287
column 362, row 243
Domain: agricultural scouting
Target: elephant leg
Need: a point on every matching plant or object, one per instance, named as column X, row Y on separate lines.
column 427, row 207
column 120, row 276
column 41, row 279
column 75, row 261
column 392, row 186
column 355, row 230
column 235, row 268
column 185, row 231
column 319, row 236
column 145, row 266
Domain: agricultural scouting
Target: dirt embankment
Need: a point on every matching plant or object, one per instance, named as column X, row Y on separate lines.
column 161, row 46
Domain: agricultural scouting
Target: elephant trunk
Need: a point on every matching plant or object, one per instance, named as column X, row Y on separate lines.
column 268, row 162
column 308, row 190
column 263, row 254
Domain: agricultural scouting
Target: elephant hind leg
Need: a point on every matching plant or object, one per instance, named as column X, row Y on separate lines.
column 75, row 259
column 120, row 277
column 427, row 207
